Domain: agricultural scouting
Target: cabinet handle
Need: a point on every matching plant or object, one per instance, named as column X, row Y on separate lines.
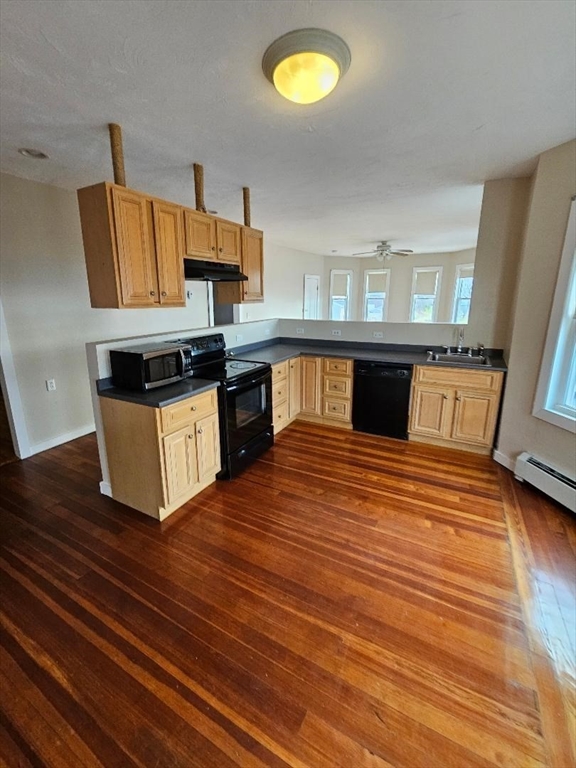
column 200, row 430
column 213, row 247
column 163, row 293
column 458, row 398
column 152, row 293
column 190, row 437
column 193, row 408
column 445, row 397
column 220, row 250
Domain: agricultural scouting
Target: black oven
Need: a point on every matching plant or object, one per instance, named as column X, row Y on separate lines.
column 245, row 421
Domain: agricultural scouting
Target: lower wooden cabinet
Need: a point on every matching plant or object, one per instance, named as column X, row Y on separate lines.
column 311, row 402
column 284, row 392
column 295, row 387
column 457, row 408
column 327, row 390
column 159, row 458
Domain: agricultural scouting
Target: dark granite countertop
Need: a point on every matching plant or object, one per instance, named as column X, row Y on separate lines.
column 160, row 397
column 278, row 352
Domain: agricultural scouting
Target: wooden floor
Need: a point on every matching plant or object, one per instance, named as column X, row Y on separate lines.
column 349, row 601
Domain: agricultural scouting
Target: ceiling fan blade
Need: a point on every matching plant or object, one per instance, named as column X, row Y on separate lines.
column 365, row 253
column 401, row 253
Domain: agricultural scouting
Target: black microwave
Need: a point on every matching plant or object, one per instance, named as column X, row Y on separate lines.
column 149, row 366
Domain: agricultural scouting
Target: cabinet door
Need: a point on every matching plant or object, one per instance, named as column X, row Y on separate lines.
column 228, row 237
column 180, row 463
column 253, row 264
column 200, row 235
column 169, row 253
column 430, row 411
column 474, row 417
column 294, row 387
column 311, row 369
column 136, row 261
column 208, row 447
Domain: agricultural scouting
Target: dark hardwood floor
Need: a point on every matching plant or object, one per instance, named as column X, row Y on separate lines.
column 349, row 601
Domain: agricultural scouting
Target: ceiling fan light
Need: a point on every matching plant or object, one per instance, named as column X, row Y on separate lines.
column 305, row 65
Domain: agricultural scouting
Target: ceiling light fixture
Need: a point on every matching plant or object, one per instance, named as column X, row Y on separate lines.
column 305, row 65
column 34, row 154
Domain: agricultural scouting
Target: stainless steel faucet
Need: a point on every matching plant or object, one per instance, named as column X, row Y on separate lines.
column 460, row 339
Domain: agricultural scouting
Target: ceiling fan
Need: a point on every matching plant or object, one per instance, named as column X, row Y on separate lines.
column 384, row 251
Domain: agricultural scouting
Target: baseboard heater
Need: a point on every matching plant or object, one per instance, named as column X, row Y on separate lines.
column 550, row 481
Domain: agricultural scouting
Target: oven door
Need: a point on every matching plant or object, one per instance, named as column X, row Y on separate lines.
column 248, row 409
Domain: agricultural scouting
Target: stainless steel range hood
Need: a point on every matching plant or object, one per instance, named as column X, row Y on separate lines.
column 213, row 271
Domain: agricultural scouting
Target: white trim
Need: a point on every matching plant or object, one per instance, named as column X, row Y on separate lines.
column 105, row 488
column 13, row 401
column 368, row 272
column 503, row 459
column 459, row 269
column 541, row 410
column 60, row 439
column 439, row 270
column 350, row 274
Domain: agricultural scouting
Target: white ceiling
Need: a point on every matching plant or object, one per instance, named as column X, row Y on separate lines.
column 440, row 96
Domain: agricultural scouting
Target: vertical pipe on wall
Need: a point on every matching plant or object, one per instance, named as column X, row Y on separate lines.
column 199, row 187
column 117, row 154
column 246, row 196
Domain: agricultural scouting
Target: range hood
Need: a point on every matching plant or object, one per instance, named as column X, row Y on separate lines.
column 215, row 271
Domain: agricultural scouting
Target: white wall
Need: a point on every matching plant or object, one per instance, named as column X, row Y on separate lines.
column 424, row 334
column 400, row 286
column 48, row 315
column 553, row 186
column 498, row 252
column 284, row 270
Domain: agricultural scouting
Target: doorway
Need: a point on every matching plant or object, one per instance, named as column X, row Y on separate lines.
column 311, row 306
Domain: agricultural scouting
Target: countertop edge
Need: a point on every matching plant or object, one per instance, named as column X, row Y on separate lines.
column 147, row 398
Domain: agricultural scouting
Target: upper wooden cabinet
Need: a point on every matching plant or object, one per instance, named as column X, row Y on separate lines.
column 252, row 265
column 134, row 248
column 200, row 233
column 211, row 239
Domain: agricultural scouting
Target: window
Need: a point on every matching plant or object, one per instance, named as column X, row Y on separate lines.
column 340, row 291
column 376, row 295
column 555, row 399
column 425, row 292
column 462, row 293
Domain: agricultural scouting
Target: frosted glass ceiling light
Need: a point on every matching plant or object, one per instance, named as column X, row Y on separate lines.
column 306, row 64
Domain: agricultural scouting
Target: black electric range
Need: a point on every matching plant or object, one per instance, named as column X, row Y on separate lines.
column 244, row 400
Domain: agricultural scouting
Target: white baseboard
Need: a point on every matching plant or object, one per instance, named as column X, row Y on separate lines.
column 65, row 438
column 506, row 461
column 105, row 488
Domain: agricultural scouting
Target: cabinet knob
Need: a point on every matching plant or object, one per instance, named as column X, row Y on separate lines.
column 192, row 407
column 190, row 437
column 152, row 293
column 445, row 397
column 458, row 398
column 220, row 250
column 213, row 247
column 163, row 293
column 200, row 430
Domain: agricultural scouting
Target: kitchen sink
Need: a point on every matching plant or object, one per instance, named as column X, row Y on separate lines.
column 457, row 358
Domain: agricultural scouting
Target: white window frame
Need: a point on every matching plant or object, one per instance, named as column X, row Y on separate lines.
column 415, row 272
column 459, row 269
column 367, row 273
column 555, row 371
column 350, row 275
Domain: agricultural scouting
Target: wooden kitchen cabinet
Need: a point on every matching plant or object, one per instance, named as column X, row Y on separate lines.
column 294, row 373
column 133, row 246
column 159, row 458
column 311, row 368
column 252, row 265
column 455, row 407
column 200, row 235
column 228, row 241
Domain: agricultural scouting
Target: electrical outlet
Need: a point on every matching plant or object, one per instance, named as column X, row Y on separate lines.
column 189, row 294
column 239, row 337
column 50, row 385
column 378, row 335
column 300, row 331
column 336, row 333
column 267, row 332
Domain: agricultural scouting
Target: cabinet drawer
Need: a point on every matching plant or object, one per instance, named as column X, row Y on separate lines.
column 187, row 411
column 280, row 370
column 338, row 385
column 279, row 392
column 337, row 365
column 336, row 409
column 462, row 378
column 280, row 417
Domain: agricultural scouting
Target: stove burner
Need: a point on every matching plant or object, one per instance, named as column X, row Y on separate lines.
column 241, row 365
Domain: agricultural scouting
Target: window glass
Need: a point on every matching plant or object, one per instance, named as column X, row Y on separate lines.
column 340, row 292
column 462, row 293
column 375, row 294
column 425, row 292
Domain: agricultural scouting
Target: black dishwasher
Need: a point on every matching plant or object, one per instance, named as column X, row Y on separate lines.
column 381, row 398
